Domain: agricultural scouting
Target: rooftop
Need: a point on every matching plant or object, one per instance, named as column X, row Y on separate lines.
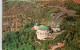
column 36, row 24
column 42, row 27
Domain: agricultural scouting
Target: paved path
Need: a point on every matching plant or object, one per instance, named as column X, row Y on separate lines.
column 57, row 19
column 57, row 46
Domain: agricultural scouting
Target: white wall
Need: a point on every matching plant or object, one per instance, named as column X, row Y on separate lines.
column 41, row 34
column 0, row 24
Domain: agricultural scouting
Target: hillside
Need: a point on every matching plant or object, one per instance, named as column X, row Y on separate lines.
column 19, row 18
column 22, row 12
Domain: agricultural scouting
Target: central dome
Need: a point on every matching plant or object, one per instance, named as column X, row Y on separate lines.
column 42, row 27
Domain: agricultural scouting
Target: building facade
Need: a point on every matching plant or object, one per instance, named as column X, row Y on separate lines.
column 41, row 31
column 42, row 34
column 56, row 29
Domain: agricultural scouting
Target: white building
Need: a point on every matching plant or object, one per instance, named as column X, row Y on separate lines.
column 56, row 29
column 36, row 26
column 42, row 32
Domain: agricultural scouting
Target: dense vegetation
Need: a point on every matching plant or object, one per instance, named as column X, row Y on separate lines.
column 72, row 5
column 72, row 39
column 20, row 40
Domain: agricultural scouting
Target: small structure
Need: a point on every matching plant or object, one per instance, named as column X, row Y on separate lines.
column 36, row 25
column 42, row 32
column 56, row 29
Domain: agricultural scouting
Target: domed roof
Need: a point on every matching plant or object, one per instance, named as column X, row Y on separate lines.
column 48, row 25
column 57, row 26
column 42, row 27
column 36, row 24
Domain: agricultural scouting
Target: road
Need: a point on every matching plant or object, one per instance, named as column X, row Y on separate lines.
column 57, row 19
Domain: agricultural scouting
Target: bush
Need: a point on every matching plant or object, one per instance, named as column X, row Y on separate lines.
column 20, row 40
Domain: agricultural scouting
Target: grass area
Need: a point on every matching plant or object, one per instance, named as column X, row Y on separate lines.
column 72, row 33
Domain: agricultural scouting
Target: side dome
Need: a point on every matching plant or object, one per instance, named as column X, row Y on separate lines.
column 42, row 27
column 58, row 26
column 36, row 24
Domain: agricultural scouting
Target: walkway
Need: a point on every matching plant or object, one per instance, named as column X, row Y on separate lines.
column 57, row 19
column 57, row 46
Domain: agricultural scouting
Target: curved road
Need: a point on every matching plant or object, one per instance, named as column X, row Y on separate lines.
column 57, row 19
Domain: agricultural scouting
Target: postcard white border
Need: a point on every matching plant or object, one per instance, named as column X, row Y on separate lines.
column 1, row 25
